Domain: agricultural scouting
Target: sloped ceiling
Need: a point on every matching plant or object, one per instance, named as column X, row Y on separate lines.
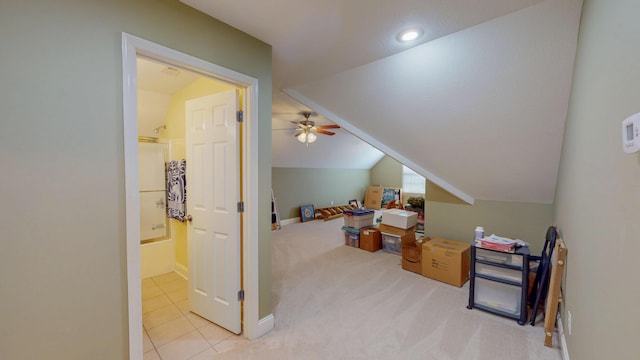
column 156, row 83
column 478, row 105
column 341, row 151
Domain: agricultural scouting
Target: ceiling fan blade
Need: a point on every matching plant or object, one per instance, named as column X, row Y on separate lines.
column 325, row 132
column 328, row 126
column 298, row 133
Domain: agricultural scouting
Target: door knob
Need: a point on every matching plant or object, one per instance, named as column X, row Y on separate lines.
column 189, row 218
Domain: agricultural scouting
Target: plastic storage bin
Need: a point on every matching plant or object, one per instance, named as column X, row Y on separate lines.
column 358, row 218
column 392, row 243
column 351, row 236
column 351, row 239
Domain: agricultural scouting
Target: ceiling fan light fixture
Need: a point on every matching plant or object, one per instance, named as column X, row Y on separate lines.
column 409, row 34
column 308, row 130
column 311, row 137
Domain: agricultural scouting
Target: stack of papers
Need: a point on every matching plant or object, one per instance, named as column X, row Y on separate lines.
column 503, row 244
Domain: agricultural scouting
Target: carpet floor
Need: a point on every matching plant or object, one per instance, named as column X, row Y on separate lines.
column 332, row 301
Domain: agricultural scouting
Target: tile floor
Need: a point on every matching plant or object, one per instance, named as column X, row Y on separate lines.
column 171, row 331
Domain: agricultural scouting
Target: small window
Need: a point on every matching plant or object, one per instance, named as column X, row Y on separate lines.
column 412, row 182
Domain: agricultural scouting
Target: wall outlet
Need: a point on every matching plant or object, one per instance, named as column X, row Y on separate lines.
column 569, row 322
column 331, row 203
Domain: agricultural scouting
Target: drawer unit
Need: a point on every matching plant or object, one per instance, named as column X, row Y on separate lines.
column 499, row 282
column 497, row 257
column 499, row 272
column 497, row 297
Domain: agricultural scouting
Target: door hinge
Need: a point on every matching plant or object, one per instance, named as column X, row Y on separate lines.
column 240, row 206
column 241, row 295
column 239, row 116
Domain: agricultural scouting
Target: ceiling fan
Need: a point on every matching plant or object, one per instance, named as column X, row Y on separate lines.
column 307, row 129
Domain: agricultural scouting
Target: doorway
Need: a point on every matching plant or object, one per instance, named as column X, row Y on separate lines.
column 196, row 315
column 132, row 47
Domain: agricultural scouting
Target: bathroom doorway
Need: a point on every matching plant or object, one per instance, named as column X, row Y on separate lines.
column 132, row 49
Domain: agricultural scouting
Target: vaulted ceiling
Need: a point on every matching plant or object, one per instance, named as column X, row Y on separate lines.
column 477, row 104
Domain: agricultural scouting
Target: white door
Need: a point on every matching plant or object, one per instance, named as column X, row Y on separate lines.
column 212, row 195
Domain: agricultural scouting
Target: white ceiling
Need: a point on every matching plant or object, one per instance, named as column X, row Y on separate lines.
column 156, row 83
column 477, row 105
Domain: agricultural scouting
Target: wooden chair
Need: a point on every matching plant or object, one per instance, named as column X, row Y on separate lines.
column 543, row 274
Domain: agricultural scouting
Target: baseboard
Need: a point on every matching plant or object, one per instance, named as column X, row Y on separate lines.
column 181, row 270
column 289, row 221
column 563, row 339
column 265, row 325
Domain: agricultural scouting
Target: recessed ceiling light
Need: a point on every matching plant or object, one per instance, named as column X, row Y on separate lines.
column 409, row 35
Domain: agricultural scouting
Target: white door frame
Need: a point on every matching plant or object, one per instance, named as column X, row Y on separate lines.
column 132, row 46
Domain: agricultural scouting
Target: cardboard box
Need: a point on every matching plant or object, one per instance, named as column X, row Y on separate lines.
column 446, row 260
column 373, row 197
column 370, row 239
column 399, row 218
column 396, row 230
column 411, row 258
column 412, row 255
column 409, row 265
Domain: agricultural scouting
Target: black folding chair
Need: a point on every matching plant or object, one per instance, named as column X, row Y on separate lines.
column 543, row 274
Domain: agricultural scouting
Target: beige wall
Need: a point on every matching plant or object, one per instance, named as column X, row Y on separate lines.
column 436, row 193
column 294, row 187
column 175, row 134
column 62, row 248
column 387, row 172
column 598, row 191
column 448, row 217
column 525, row 221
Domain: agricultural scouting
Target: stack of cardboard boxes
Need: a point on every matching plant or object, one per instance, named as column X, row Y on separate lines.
column 440, row 259
column 397, row 227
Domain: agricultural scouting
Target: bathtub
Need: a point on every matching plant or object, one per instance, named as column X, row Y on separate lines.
column 157, row 257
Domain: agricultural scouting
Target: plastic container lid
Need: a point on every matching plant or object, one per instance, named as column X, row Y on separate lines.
column 358, row 212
